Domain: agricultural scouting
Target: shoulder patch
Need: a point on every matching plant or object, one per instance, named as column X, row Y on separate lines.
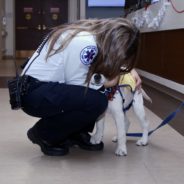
column 88, row 54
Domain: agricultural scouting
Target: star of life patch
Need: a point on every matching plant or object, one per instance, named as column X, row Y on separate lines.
column 88, row 54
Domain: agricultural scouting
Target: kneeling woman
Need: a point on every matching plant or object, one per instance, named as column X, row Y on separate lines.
column 58, row 76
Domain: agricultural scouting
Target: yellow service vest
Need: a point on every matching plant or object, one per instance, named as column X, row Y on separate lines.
column 127, row 79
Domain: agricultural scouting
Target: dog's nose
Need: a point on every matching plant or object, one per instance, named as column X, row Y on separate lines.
column 97, row 78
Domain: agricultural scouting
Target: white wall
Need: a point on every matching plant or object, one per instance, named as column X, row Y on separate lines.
column 171, row 20
column 9, row 9
column 174, row 20
column 82, row 9
column 72, row 10
column 0, row 31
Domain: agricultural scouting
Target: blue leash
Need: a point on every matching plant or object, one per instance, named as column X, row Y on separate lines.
column 164, row 122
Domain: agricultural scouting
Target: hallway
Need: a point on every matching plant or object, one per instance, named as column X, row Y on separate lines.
column 21, row 162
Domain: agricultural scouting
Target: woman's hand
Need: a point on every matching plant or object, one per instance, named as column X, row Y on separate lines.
column 137, row 78
column 111, row 83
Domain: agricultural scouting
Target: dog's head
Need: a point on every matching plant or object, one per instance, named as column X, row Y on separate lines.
column 97, row 78
column 97, row 81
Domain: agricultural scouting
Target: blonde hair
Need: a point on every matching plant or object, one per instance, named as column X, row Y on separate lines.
column 116, row 38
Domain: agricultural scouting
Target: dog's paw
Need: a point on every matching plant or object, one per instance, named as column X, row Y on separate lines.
column 142, row 142
column 96, row 139
column 121, row 151
column 114, row 139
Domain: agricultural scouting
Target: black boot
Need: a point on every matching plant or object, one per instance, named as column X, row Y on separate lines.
column 46, row 147
column 83, row 141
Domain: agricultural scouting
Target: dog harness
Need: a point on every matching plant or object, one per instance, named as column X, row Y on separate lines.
column 125, row 81
column 129, row 82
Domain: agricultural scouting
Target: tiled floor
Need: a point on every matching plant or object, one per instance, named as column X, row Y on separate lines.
column 21, row 162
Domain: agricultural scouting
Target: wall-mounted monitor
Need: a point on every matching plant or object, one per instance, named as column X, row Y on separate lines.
column 106, row 3
column 154, row 1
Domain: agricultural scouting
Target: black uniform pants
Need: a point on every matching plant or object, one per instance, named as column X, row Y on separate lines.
column 64, row 109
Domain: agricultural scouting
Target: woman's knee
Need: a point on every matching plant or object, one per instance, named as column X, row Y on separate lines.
column 103, row 103
column 96, row 102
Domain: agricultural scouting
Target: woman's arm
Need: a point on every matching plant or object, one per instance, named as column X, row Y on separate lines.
column 137, row 78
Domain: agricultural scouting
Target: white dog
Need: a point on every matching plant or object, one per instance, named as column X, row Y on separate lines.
column 122, row 99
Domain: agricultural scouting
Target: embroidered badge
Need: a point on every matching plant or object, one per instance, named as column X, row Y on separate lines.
column 88, row 54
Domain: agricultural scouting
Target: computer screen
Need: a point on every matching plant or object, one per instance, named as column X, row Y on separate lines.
column 106, row 3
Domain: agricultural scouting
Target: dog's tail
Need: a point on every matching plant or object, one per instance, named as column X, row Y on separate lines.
column 146, row 96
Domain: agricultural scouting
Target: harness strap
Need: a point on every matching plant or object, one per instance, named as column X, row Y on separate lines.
column 124, row 86
column 109, row 92
column 164, row 122
column 130, row 104
column 128, row 107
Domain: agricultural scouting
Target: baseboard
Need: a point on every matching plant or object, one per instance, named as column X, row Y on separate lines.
column 165, row 102
column 173, row 93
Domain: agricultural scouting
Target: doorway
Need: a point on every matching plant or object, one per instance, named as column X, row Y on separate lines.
column 33, row 20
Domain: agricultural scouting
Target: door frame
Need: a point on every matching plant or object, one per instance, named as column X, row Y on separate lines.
column 3, row 31
column 82, row 9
